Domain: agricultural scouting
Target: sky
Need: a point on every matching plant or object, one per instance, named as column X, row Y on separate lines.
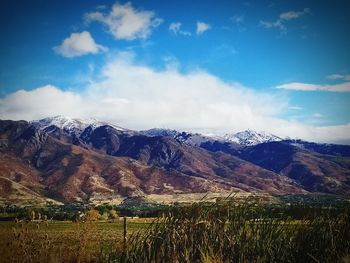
column 213, row 67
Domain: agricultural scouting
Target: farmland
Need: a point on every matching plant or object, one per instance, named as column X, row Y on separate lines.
column 61, row 239
column 226, row 231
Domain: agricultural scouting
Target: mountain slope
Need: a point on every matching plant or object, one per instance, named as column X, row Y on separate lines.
column 194, row 139
column 315, row 172
column 135, row 165
column 322, row 148
column 88, row 161
column 67, row 172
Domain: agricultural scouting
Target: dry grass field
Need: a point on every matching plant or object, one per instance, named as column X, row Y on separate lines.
column 63, row 241
column 226, row 231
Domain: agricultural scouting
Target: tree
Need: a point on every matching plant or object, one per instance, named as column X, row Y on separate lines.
column 112, row 214
column 92, row 215
column 104, row 216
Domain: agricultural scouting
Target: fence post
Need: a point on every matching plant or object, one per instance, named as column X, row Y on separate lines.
column 124, row 235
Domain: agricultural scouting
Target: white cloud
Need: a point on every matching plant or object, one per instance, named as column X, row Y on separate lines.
column 277, row 24
column 237, row 19
column 295, row 108
column 202, row 27
column 78, row 44
column 342, row 87
column 345, row 77
column 317, row 115
column 175, row 28
column 294, row 14
column 126, row 22
column 283, row 18
column 139, row 97
column 34, row 104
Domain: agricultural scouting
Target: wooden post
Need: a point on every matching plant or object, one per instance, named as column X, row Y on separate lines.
column 124, row 234
column 124, row 230
column 124, row 241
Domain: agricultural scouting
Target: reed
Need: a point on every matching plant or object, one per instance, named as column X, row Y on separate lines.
column 240, row 232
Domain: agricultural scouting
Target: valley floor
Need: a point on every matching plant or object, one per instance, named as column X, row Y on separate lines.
column 64, row 241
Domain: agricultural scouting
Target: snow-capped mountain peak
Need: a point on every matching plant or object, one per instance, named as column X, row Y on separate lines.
column 160, row 132
column 194, row 139
column 76, row 127
column 72, row 125
column 250, row 137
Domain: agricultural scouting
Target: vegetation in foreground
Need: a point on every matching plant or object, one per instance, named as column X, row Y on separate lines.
column 226, row 231
column 244, row 232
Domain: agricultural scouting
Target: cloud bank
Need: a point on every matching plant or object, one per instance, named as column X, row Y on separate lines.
column 78, row 44
column 126, row 22
column 139, row 97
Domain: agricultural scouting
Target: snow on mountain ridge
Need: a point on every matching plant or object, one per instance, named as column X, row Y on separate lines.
column 72, row 125
column 246, row 138
column 250, row 137
column 160, row 132
column 194, row 139
column 77, row 126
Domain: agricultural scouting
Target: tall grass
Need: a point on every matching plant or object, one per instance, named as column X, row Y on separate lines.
column 239, row 232
column 227, row 231
column 30, row 242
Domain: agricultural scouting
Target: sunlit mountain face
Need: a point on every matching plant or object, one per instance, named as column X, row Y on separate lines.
column 62, row 159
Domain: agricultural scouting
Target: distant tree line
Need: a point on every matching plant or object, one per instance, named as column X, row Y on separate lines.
column 293, row 206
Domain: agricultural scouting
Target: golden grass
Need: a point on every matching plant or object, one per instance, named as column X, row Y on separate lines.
column 59, row 241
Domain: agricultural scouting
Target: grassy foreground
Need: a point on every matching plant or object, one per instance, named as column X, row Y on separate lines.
column 64, row 241
column 244, row 232
column 226, row 231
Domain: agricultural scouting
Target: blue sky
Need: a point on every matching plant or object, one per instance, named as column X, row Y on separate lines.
column 294, row 54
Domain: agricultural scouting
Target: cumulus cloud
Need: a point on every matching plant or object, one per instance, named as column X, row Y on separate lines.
column 202, row 27
column 78, row 44
column 175, row 28
column 139, row 97
column 342, row 87
column 283, row 18
column 47, row 100
column 126, row 22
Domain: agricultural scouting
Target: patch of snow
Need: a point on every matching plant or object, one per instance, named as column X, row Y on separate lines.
column 250, row 137
column 72, row 125
column 160, row 132
column 194, row 139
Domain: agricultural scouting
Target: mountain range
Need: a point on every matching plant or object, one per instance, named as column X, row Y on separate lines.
column 62, row 159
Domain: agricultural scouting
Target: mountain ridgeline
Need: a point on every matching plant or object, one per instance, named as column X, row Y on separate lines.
column 64, row 160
